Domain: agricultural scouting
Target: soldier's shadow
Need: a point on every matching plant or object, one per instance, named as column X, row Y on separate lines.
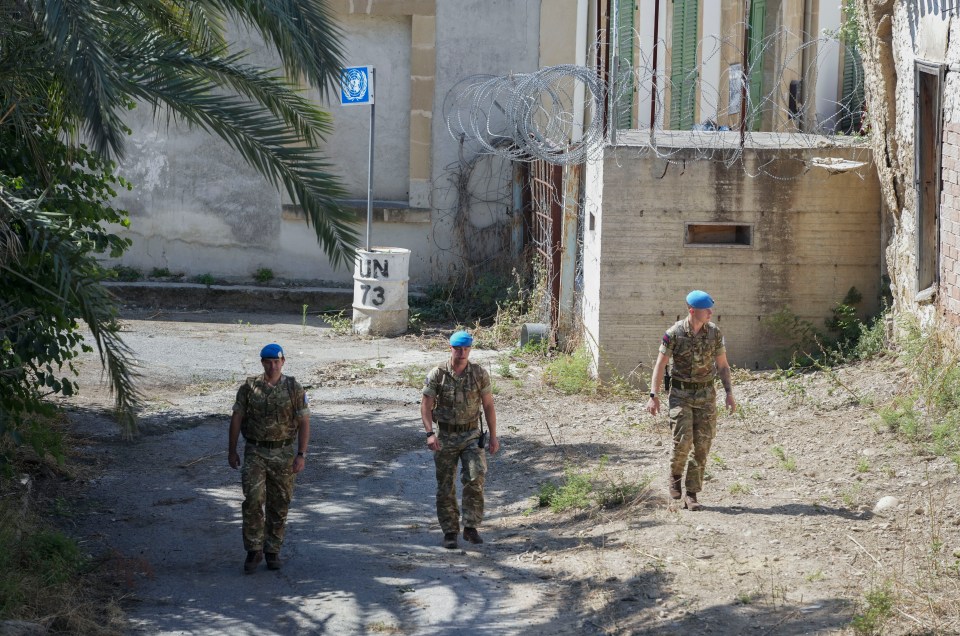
column 794, row 510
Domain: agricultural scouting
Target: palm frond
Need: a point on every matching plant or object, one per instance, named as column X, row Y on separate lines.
column 74, row 32
column 278, row 153
column 303, row 33
column 218, row 70
column 49, row 254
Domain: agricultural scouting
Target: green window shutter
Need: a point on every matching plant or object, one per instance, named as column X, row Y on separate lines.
column 852, row 99
column 758, row 15
column 625, row 44
column 683, row 67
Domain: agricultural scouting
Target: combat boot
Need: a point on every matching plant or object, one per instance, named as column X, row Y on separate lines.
column 273, row 561
column 676, row 482
column 691, row 502
column 471, row 535
column 450, row 540
column 253, row 560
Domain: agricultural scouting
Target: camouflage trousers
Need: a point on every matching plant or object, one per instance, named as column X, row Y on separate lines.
column 267, row 478
column 460, row 448
column 693, row 419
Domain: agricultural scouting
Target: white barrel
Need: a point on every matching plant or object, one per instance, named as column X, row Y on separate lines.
column 381, row 278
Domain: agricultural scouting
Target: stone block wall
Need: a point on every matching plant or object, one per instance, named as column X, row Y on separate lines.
column 814, row 236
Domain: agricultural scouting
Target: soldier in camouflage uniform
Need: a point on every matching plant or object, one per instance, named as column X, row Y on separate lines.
column 272, row 414
column 696, row 346
column 453, row 395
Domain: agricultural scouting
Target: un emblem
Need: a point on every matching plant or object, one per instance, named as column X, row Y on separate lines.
column 354, row 84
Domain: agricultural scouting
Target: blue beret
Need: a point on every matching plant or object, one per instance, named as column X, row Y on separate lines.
column 461, row 339
column 272, row 351
column 699, row 299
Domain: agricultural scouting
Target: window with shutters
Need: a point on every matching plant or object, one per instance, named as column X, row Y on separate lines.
column 683, row 65
column 758, row 16
column 928, row 95
column 626, row 11
column 851, row 97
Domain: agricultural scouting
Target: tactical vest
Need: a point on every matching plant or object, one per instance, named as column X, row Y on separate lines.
column 458, row 401
column 269, row 415
column 694, row 356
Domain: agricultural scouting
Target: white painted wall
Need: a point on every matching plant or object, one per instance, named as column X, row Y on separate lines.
column 710, row 58
column 383, row 42
column 474, row 37
column 828, row 65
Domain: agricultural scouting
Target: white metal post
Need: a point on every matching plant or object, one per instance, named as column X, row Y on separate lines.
column 373, row 84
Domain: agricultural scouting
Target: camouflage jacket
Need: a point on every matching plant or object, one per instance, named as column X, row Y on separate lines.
column 694, row 355
column 271, row 414
column 458, row 398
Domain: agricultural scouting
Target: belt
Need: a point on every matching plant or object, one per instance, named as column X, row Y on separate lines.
column 270, row 443
column 680, row 384
column 457, row 428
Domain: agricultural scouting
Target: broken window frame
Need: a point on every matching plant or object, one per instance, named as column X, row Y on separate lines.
column 746, row 228
column 929, row 80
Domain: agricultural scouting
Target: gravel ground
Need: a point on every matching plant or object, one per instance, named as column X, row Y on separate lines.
column 789, row 542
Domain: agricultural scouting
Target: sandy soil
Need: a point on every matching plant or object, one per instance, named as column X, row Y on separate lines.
column 789, row 542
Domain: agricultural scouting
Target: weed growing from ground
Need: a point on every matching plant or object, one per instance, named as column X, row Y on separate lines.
column 263, row 275
column 863, row 465
column 877, row 608
column 739, row 489
column 205, row 279
column 503, row 367
column 339, row 322
column 570, row 374
column 582, row 489
column 414, row 376
column 786, row 462
column 123, row 273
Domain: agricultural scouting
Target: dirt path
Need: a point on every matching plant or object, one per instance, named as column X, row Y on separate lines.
column 788, row 544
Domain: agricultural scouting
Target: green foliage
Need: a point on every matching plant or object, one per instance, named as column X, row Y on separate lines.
column 849, row 30
column 72, row 68
column 786, row 462
column 160, row 272
column 581, row 489
column 843, row 322
column 52, row 228
column 414, row 376
column 503, row 367
column 928, row 416
column 263, row 275
column 205, row 279
column 339, row 321
column 846, row 337
column 573, row 493
column 570, row 374
column 498, row 301
column 122, row 273
column 877, row 608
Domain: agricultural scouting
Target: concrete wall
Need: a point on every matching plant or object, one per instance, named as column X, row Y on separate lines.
column 815, row 235
column 196, row 208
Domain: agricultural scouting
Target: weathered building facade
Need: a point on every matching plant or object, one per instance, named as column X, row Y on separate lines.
column 912, row 60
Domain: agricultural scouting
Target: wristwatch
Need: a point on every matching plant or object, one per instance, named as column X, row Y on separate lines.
column 652, row 394
column 430, row 433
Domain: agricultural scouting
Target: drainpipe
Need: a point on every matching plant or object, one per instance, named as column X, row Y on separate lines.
column 653, row 77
